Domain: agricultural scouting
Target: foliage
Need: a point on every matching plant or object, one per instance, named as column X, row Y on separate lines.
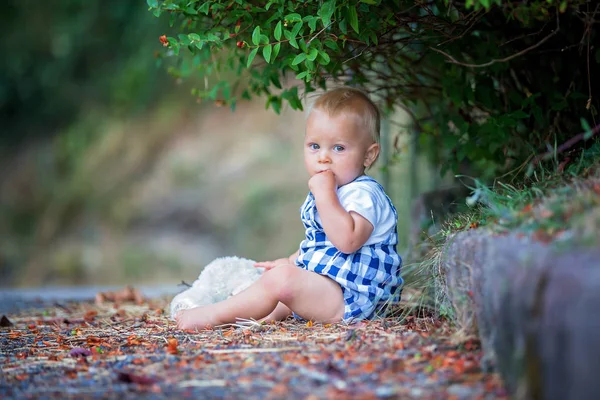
column 524, row 84
column 559, row 206
column 63, row 57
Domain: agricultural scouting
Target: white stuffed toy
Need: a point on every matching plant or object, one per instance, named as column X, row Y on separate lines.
column 219, row 280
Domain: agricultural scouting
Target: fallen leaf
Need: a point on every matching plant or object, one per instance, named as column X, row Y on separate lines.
column 90, row 315
column 172, row 346
column 526, row 209
column 127, row 294
column 5, row 322
column 130, row 377
column 79, row 352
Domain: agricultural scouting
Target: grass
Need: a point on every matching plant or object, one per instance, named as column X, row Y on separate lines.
column 558, row 206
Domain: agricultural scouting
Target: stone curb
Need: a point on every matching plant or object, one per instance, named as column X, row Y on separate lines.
column 536, row 310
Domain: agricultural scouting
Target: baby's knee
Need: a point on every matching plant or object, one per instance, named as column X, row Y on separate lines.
column 282, row 281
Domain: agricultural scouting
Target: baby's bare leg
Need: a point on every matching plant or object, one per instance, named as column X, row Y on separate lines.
column 309, row 294
column 280, row 313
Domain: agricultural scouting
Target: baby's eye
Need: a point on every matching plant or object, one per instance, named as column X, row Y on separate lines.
column 338, row 148
column 313, row 146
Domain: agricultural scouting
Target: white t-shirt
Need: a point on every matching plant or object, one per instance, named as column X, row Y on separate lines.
column 368, row 200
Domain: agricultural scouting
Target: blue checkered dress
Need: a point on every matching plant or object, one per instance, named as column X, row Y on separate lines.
column 369, row 277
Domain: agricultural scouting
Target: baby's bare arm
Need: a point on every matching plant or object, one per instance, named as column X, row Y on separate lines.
column 280, row 261
column 348, row 231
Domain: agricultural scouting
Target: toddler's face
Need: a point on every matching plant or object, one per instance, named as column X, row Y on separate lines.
column 339, row 144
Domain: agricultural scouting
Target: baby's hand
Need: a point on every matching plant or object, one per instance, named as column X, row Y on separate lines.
column 267, row 265
column 322, row 182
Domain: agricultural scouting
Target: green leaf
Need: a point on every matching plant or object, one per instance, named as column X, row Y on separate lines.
column 267, row 53
column 277, row 32
column 343, row 26
column 485, row 3
column 251, row 57
column 302, row 75
column 184, row 40
column 226, row 91
column 214, row 92
column 204, row 8
column 324, row 58
column 295, row 101
column 299, row 58
column 302, row 44
column 293, row 17
column 519, row 114
column 312, row 55
column 588, row 132
column 275, row 103
column 294, row 43
column 276, row 49
column 152, row 3
column 371, row 2
column 326, row 11
column 312, row 24
column 194, row 37
column 563, row 7
column 296, row 29
column 275, row 79
column 353, row 17
column 256, row 36
column 331, row 44
column 374, row 39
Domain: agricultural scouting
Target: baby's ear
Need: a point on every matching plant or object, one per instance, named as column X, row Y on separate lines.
column 371, row 155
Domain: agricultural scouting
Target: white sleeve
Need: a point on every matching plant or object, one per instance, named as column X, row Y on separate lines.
column 363, row 200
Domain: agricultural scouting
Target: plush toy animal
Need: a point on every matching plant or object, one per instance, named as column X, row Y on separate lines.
column 222, row 278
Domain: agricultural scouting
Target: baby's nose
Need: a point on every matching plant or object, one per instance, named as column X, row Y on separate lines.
column 324, row 156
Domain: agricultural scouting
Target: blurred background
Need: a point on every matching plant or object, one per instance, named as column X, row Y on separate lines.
column 112, row 174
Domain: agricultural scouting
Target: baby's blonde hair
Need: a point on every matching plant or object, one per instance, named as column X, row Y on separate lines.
column 354, row 101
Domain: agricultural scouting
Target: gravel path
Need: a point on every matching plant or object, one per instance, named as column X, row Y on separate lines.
column 82, row 350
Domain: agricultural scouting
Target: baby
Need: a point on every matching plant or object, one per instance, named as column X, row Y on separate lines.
column 347, row 268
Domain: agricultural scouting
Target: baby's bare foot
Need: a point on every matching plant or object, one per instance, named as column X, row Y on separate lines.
column 194, row 318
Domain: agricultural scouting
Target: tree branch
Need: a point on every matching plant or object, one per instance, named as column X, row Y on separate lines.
column 505, row 59
column 567, row 145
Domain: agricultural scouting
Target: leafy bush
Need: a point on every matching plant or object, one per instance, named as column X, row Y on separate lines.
column 66, row 56
column 490, row 83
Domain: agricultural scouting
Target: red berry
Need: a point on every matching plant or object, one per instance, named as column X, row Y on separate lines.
column 240, row 44
column 232, row 35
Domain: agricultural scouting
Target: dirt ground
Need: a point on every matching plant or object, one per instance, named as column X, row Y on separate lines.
column 110, row 350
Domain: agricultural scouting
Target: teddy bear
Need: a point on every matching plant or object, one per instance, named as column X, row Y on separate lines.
column 219, row 280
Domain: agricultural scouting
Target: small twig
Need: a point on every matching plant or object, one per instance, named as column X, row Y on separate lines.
column 589, row 34
column 254, row 350
column 318, row 33
column 505, row 59
column 356, row 56
column 475, row 20
column 523, row 36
